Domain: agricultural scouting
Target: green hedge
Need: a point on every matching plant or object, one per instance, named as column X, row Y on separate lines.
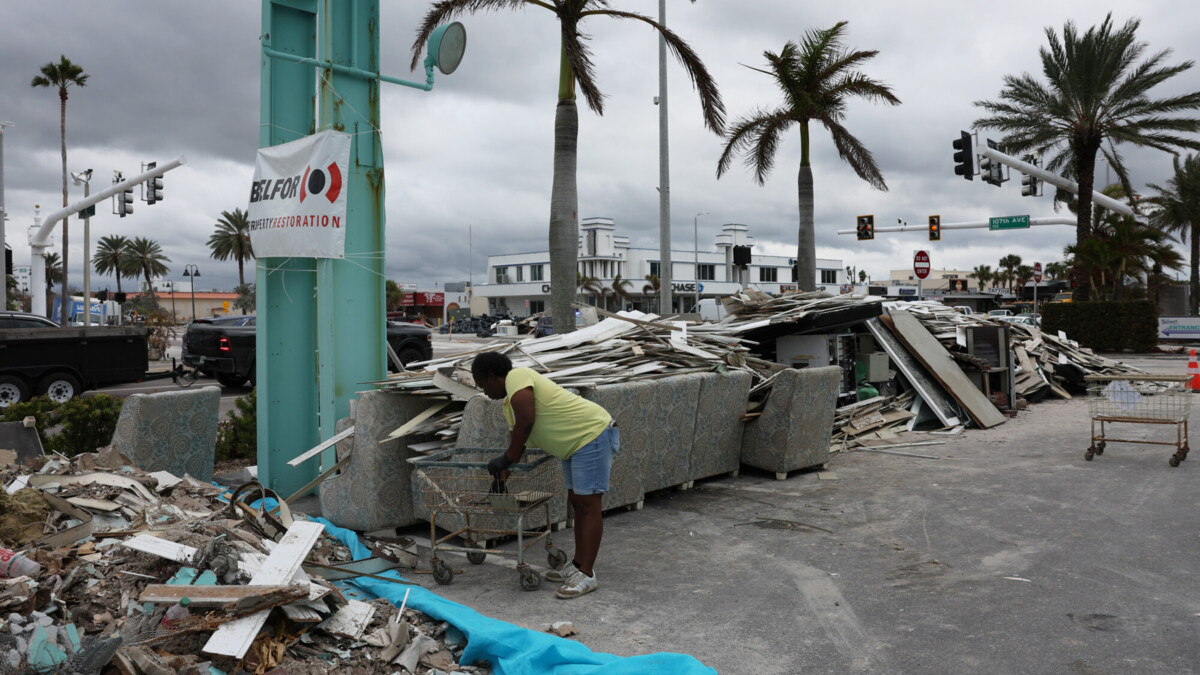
column 79, row 425
column 1105, row 326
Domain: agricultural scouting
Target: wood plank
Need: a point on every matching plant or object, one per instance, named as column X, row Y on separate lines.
column 350, row 621
column 323, row 445
column 454, row 387
column 234, row 638
column 214, row 596
column 931, row 392
column 412, row 424
column 301, row 614
column 926, row 349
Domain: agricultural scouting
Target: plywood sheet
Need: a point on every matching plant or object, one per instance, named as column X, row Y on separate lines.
column 930, row 390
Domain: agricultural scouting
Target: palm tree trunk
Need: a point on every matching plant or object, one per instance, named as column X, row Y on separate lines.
column 806, row 241
column 241, row 273
column 62, row 135
column 1083, row 216
column 1194, row 295
column 564, row 221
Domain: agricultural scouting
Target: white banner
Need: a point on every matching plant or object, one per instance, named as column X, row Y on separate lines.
column 298, row 198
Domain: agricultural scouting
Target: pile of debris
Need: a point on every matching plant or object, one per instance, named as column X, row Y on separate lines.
column 106, row 568
column 928, row 350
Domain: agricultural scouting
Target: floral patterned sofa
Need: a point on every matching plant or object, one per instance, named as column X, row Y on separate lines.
column 173, row 431
column 796, row 423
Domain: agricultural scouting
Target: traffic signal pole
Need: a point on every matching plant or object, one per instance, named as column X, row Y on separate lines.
column 39, row 240
column 1053, row 179
column 968, row 225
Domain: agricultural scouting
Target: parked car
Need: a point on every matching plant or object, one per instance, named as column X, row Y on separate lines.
column 1031, row 320
column 1000, row 312
column 545, row 326
column 1065, row 296
column 24, row 320
column 224, row 347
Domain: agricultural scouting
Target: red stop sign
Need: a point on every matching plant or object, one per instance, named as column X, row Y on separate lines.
column 1037, row 272
column 921, row 264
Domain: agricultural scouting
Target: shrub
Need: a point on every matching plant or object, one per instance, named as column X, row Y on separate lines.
column 237, row 435
column 79, row 425
column 1105, row 326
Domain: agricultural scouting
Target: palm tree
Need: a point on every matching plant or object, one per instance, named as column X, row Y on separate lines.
column 1024, row 274
column 652, row 287
column 983, row 274
column 620, row 289
column 110, row 252
column 54, row 270
column 817, row 78
column 62, row 75
column 232, row 240
column 576, row 69
column 145, row 258
column 1095, row 97
column 1178, row 211
column 1056, row 270
column 862, row 276
column 1009, row 264
column 593, row 286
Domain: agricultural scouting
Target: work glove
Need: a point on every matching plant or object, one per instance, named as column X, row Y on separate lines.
column 498, row 465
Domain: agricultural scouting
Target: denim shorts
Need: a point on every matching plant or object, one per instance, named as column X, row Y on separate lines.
column 586, row 471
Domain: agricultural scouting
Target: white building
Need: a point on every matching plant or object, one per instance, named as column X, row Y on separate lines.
column 519, row 283
column 22, row 274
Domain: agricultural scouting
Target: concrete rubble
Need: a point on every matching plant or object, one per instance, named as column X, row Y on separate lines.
column 117, row 547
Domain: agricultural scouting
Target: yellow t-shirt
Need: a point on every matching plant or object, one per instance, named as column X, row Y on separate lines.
column 563, row 422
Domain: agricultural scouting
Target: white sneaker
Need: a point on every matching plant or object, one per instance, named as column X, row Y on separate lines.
column 561, row 574
column 579, row 584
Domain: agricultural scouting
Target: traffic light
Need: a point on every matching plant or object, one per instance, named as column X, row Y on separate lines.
column 154, row 186
column 102, row 296
column 866, row 227
column 1029, row 184
column 125, row 203
column 935, row 228
column 119, row 297
column 962, row 158
column 990, row 170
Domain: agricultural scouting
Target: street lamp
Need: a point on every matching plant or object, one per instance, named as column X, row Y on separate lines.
column 192, row 272
column 174, row 316
column 84, row 178
column 696, row 253
column 3, row 286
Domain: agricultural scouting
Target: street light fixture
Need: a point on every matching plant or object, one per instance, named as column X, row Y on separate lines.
column 696, row 253
column 192, row 272
column 84, row 178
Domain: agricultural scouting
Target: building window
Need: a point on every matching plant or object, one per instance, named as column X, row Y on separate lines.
column 654, row 269
column 537, row 306
column 502, row 275
column 768, row 274
column 520, row 273
column 829, row 276
column 535, row 273
column 706, row 272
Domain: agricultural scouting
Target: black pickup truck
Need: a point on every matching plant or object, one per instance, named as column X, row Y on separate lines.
column 223, row 347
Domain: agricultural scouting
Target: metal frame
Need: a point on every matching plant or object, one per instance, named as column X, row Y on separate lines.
column 1180, row 421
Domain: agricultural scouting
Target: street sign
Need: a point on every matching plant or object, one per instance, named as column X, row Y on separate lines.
column 225, row 305
column 921, row 264
column 1008, row 223
column 1037, row 272
column 89, row 212
column 1178, row 328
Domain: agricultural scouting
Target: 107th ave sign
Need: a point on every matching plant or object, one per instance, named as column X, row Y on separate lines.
column 1008, row 223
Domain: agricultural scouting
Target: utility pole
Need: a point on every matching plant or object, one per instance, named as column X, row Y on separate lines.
column 85, row 177
column 664, row 175
column 3, row 250
column 696, row 254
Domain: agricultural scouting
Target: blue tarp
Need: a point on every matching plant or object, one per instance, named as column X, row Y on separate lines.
column 512, row 650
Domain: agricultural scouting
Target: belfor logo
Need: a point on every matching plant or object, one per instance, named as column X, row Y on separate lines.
column 327, row 181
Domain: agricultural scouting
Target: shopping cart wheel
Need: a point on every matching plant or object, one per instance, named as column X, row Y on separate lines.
column 1174, row 461
column 442, row 574
column 530, row 580
column 1100, row 447
column 1184, row 450
column 476, row 558
column 1091, row 452
column 556, row 557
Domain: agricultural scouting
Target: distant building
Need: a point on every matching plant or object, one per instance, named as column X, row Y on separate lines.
column 937, row 281
column 22, row 274
column 519, row 283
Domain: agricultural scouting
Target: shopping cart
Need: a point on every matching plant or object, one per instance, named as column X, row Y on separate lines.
column 1139, row 399
column 456, row 481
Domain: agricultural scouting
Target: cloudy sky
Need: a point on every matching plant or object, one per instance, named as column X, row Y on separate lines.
column 176, row 78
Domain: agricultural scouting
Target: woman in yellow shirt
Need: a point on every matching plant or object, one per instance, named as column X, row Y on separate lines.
column 541, row 414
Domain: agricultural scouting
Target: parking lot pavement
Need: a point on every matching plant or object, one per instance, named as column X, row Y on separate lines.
column 1009, row 554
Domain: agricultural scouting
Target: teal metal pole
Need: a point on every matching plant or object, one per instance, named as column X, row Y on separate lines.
column 321, row 321
column 285, row 363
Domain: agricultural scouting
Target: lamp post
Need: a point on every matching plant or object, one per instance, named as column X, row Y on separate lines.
column 192, row 272
column 84, row 178
column 696, row 253
column 174, row 316
column 3, row 286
